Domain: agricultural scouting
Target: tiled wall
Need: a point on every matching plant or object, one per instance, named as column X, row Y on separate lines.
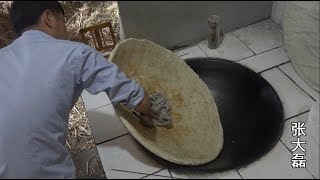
column 277, row 12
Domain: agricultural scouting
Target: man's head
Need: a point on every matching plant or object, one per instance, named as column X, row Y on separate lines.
column 46, row 16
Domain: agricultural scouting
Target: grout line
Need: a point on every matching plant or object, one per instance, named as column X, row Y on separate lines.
column 202, row 50
column 239, row 173
column 284, row 48
column 231, row 31
column 285, row 146
column 132, row 172
column 291, row 153
column 297, row 84
column 245, row 44
column 310, row 172
column 296, row 115
column 153, row 174
column 315, row 140
column 273, row 67
column 246, row 58
column 170, row 173
column 129, row 171
column 111, row 139
column 183, row 54
column 98, row 107
column 259, row 53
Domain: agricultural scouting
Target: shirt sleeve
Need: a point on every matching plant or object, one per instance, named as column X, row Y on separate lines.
column 97, row 74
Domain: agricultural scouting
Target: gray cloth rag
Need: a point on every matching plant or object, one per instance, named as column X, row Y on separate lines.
column 161, row 105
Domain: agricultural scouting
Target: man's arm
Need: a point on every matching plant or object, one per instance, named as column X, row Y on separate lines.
column 97, row 74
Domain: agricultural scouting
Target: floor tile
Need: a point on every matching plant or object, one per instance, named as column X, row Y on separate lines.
column 287, row 136
column 184, row 174
column 261, row 36
column 110, row 174
column 125, row 154
column 190, row 52
column 164, row 172
column 276, row 164
column 289, row 70
column 313, row 121
column 293, row 99
column 156, row 177
column 231, row 48
column 266, row 60
column 94, row 101
column 311, row 146
column 312, row 157
column 105, row 124
column 285, row 48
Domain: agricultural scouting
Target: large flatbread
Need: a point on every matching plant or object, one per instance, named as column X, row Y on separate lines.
column 197, row 135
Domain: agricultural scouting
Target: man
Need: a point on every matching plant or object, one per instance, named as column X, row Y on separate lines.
column 41, row 77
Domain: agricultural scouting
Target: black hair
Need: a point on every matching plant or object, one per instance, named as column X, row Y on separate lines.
column 24, row 14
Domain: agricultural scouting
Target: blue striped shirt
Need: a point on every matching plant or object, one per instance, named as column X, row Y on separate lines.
column 41, row 78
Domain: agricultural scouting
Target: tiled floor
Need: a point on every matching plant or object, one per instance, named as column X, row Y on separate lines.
column 260, row 47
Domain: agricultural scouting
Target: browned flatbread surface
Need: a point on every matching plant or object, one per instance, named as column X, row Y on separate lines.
column 197, row 135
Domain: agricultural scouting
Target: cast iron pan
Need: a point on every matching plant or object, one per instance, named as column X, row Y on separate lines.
column 250, row 112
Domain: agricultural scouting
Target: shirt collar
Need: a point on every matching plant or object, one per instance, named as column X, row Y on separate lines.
column 36, row 34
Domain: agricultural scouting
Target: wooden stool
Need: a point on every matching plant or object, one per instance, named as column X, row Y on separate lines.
column 99, row 39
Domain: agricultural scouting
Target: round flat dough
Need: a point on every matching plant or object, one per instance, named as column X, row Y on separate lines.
column 197, row 135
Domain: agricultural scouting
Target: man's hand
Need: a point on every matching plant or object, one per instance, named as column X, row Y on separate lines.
column 145, row 108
